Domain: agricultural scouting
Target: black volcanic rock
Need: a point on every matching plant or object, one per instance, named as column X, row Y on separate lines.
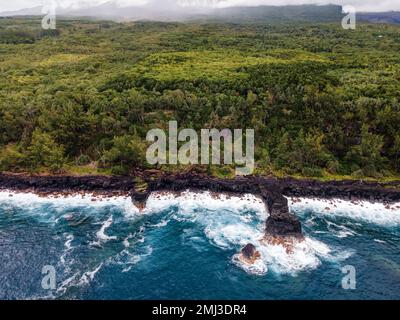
column 249, row 253
column 139, row 199
column 281, row 224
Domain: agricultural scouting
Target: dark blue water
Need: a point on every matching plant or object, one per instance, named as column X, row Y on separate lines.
column 180, row 252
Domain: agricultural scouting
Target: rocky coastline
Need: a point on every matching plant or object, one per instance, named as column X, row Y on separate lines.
column 282, row 227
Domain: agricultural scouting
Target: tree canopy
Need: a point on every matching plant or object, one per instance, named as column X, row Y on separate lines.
column 323, row 101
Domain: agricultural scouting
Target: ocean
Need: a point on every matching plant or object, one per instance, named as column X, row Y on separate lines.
column 185, row 247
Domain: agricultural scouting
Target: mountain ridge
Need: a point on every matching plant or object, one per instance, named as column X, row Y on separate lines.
column 110, row 10
column 172, row 12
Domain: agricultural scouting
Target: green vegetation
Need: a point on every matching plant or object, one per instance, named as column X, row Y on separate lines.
column 324, row 102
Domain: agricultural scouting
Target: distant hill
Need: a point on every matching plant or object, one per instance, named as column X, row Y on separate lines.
column 35, row 11
column 298, row 13
column 172, row 12
column 392, row 17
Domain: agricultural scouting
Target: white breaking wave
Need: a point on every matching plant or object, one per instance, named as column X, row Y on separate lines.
column 230, row 223
column 68, row 248
column 162, row 223
column 31, row 202
column 67, row 244
column 192, row 200
column 259, row 268
column 101, row 233
column 127, row 259
column 306, row 255
column 76, row 281
column 88, row 276
column 377, row 213
column 339, row 230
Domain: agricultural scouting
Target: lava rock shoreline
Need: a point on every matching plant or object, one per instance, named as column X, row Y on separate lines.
column 281, row 224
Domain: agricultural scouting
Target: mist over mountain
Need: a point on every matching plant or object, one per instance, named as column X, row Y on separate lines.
column 392, row 17
column 261, row 13
column 35, row 11
column 172, row 10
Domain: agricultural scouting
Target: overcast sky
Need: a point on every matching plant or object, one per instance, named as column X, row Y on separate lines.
column 361, row 5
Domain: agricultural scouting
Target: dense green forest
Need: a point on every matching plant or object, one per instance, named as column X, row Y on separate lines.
column 324, row 102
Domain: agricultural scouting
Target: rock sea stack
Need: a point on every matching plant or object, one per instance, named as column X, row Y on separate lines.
column 139, row 199
column 249, row 254
column 282, row 227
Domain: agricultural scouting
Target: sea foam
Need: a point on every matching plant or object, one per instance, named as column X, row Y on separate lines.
column 31, row 202
column 305, row 255
column 231, row 222
column 189, row 200
column 364, row 211
column 101, row 235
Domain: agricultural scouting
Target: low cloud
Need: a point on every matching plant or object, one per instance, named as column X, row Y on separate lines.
column 360, row 5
